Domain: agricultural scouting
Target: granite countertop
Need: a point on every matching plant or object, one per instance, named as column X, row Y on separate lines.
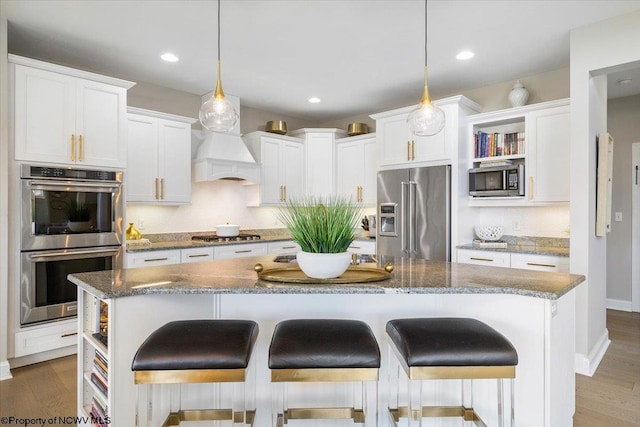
column 522, row 249
column 236, row 276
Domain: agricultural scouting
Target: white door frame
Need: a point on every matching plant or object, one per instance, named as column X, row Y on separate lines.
column 635, row 227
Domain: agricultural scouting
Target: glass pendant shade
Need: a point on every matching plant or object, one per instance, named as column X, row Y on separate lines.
column 218, row 114
column 427, row 119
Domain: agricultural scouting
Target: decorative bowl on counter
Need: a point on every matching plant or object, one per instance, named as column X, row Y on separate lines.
column 227, row 230
column 489, row 232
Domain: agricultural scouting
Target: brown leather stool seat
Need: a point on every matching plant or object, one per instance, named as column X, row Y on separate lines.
column 449, row 348
column 198, row 351
column 325, row 350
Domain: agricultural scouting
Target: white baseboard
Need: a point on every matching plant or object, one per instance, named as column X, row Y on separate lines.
column 5, row 371
column 618, row 304
column 587, row 365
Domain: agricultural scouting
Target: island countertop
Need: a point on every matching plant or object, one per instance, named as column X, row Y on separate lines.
column 237, row 276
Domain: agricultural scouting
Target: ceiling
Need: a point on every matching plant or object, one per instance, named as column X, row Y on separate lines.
column 358, row 56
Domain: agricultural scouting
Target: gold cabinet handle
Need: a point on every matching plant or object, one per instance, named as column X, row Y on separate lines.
column 481, row 259
column 198, row 255
column 155, row 259
column 73, row 148
column 285, row 193
column 243, row 252
column 535, row 264
column 413, row 150
column 161, row 188
column 80, row 149
column 69, row 334
column 157, row 192
column 281, row 193
column 408, row 150
column 530, row 187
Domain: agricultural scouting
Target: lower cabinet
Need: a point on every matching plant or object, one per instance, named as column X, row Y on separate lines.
column 287, row 247
column 239, row 251
column 38, row 339
column 153, row 258
column 196, row 254
column 551, row 263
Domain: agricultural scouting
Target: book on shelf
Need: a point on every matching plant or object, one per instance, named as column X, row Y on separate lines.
column 490, row 163
column 494, row 244
column 497, row 144
column 100, row 383
column 101, row 368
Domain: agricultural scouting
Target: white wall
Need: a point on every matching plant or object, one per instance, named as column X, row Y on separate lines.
column 594, row 49
column 541, row 221
column 623, row 116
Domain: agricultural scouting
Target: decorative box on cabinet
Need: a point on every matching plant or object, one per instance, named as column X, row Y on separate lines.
column 320, row 159
column 68, row 116
column 159, row 157
column 399, row 147
column 282, row 167
column 544, row 152
column 357, row 168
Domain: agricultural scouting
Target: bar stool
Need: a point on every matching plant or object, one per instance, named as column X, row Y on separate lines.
column 446, row 348
column 325, row 350
column 199, row 351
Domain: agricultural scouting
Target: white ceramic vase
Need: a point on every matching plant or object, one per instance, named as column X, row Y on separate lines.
column 323, row 266
column 519, row 95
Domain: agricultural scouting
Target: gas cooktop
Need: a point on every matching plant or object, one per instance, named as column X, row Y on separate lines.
column 215, row 238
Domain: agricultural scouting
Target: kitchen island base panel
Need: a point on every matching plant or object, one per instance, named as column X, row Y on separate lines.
column 541, row 330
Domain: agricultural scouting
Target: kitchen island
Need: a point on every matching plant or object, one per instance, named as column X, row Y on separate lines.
column 534, row 310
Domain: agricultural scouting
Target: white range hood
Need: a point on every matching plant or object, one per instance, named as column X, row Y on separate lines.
column 224, row 155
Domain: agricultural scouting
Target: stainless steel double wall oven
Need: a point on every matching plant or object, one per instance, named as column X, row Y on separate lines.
column 71, row 222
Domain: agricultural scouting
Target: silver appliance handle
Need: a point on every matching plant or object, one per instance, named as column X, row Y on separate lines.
column 71, row 186
column 413, row 186
column 68, row 254
column 403, row 229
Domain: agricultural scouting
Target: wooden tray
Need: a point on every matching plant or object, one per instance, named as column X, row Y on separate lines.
column 295, row 275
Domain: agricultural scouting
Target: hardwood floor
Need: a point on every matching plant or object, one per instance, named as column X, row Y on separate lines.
column 611, row 398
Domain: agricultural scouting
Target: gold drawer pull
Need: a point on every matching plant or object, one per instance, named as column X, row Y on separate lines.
column 162, row 188
column 354, row 247
column 288, row 247
column 70, row 334
column 408, row 150
column 157, row 192
column 482, row 259
column 73, row 148
column 541, row 265
column 198, row 255
column 80, row 149
column 244, row 252
column 155, row 259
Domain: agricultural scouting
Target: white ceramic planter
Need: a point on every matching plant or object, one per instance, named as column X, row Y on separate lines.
column 323, row 266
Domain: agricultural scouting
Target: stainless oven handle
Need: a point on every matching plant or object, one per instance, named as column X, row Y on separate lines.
column 45, row 185
column 71, row 253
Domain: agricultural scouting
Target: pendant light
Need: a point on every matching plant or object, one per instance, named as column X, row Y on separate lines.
column 218, row 114
column 427, row 119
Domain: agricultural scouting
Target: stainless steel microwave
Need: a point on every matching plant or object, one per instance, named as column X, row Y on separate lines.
column 496, row 181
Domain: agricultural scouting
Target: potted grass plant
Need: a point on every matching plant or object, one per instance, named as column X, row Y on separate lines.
column 324, row 227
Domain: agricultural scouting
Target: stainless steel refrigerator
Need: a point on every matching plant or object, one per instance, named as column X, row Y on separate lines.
column 414, row 213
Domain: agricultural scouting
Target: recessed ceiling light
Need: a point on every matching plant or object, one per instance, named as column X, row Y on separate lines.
column 464, row 55
column 624, row 81
column 314, row 100
column 169, row 57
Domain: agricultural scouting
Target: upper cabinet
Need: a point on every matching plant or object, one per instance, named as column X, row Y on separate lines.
column 399, row 147
column 357, row 168
column 536, row 136
column 159, row 157
column 67, row 116
column 319, row 159
column 282, row 167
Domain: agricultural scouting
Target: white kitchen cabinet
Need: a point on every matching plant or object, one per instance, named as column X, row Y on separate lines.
column 320, row 159
column 399, row 147
column 282, row 167
column 357, row 168
column 514, row 260
column 287, row 247
column 159, row 157
column 196, row 254
column 544, row 152
column 540, row 262
column 494, row 259
column 548, row 158
column 367, row 247
column 68, row 116
column 153, row 258
column 39, row 338
column 239, row 251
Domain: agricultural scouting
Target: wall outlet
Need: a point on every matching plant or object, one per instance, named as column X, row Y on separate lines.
column 141, row 224
column 618, row 216
column 516, row 226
